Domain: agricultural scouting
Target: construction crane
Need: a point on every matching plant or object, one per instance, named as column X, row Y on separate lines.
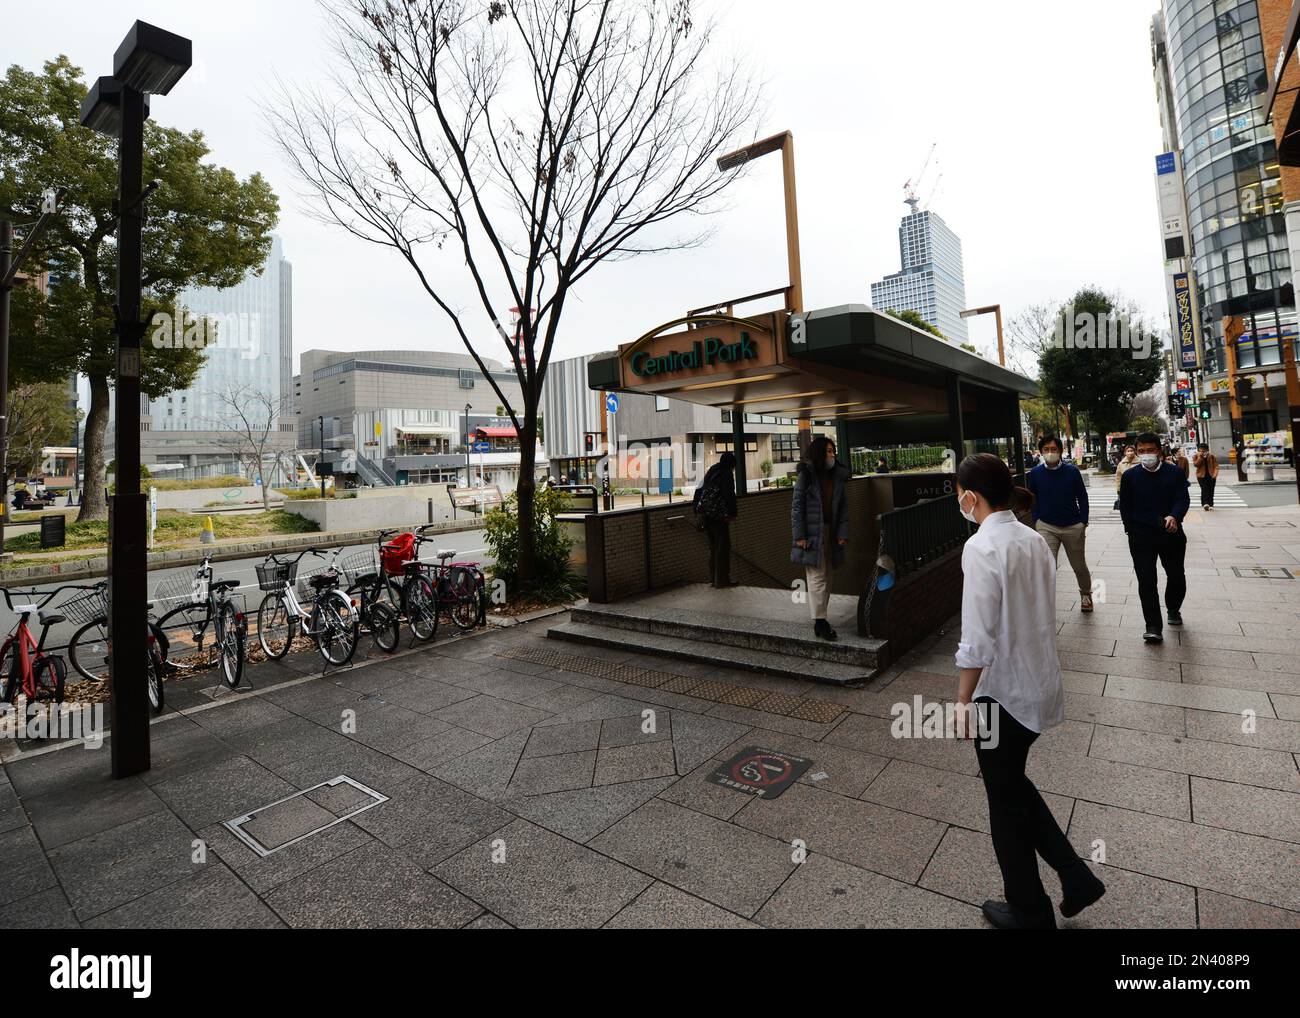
column 909, row 188
column 929, row 198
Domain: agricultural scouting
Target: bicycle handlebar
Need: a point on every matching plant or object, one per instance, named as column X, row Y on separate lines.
column 297, row 558
column 44, row 596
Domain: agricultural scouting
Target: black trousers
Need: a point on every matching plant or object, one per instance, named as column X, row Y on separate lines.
column 719, row 552
column 1023, row 827
column 1146, row 546
column 1207, row 489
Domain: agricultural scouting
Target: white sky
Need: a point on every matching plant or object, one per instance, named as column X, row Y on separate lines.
column 1044, row 113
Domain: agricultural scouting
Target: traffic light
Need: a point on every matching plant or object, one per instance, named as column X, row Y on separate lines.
column 1245, row 391
column 590, row 438
column 1205, row 413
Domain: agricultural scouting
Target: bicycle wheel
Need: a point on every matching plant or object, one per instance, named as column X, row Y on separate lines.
column 50, row 675
column 421, row 607
column 10, row 679
column 154, row 678
column 230, row 648
column 88, row 650
column 192, row 621
column 275, row 626
column 459, row 597
column 385, row 626
column 335, row 625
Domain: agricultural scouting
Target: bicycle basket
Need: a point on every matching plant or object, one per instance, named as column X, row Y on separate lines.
column 180, row 588
column 358, row 563
column 400, row 549
column 85, row 607
column 275, row 576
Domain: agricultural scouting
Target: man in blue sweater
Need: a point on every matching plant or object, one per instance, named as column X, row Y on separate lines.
column 1061, row 511
column 1152, row 503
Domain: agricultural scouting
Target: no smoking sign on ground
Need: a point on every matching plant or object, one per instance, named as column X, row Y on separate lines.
column 762, row 772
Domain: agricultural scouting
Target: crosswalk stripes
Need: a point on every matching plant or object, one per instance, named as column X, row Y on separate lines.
column 1101, row 500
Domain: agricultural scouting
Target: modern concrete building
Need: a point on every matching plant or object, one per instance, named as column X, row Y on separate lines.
column 1209, row 58
column 931, row 281
column 399, row 416
column 248, row 333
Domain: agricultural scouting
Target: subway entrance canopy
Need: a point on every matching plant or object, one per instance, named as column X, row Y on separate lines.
column 881, row 380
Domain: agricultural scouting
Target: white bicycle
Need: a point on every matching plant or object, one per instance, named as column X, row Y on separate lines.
column 329, row 617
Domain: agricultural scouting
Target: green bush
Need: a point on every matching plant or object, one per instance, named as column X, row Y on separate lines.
column 553, row 580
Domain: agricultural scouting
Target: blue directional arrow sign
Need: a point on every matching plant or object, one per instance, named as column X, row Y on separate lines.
column 611, row 402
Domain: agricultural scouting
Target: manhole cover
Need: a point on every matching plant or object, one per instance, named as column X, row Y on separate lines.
column 1263, row 572
column 758, row 771
column 1270, row 523
column 1248, row 547
column 290, row 820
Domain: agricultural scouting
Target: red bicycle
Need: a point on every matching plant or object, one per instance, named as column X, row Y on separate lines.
column 23, row 661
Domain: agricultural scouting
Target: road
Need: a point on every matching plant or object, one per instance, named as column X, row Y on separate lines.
column 468, row 544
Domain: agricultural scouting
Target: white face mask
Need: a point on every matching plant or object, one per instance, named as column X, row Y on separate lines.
column 1149, row 460
column 969, row 515
column 1052, row 458
column 830, row 462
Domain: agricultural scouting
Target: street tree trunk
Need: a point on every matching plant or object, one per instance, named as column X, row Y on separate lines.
column 526, row 490
column 93, row 506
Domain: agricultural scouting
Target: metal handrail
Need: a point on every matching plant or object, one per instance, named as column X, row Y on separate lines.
column 918, row 534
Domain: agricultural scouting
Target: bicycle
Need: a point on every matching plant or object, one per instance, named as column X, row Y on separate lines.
column 23, row 661
column 334, row 622
column 460, row 587
column 88, row 650
column 207, row 602
column 379, row 616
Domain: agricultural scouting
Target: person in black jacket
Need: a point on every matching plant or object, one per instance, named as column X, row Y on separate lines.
column 819, row 525
column 1152, row 503
column 715, row 504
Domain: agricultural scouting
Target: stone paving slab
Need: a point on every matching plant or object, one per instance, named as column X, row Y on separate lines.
column 663, row 907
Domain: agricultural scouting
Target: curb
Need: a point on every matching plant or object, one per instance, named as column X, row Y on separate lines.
column 91, row 568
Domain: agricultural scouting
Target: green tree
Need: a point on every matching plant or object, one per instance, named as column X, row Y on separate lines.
column 38, row 415
column 1152, row 424
column 203, row 227
column 1095, row 380
column 914, row 318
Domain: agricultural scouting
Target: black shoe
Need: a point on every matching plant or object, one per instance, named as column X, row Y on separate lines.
column 1078, row 892
column 822, row 629
column 1005, row 917
column 1153, row 635
column 1175, row 618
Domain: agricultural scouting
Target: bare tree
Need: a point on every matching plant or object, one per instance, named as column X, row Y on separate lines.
column 247, row 424
column 539, row 139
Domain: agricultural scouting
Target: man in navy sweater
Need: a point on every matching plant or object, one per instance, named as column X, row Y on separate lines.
column 1061, row 511
column 1152, row 503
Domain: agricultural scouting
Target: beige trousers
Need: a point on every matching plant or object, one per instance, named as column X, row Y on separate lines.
column 818, row 578
column 1073, row 539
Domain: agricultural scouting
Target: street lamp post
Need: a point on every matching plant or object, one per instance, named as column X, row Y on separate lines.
column 996, row 310
column 149, row 61
column 465, row 428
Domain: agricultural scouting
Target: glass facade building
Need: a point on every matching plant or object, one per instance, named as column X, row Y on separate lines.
column 931, row 282
column 1232, row 178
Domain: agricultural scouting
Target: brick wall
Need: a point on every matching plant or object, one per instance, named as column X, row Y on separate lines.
column 1273, row 15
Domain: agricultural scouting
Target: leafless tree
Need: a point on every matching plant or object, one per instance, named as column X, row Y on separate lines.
column 539, row 139
column 247, row 423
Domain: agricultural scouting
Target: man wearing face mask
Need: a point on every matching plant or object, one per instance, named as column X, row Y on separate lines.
column 1061, row 512
column 1152, row 503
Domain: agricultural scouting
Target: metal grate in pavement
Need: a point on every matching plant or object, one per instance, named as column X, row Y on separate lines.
column 802, row 707
column 1263, row 572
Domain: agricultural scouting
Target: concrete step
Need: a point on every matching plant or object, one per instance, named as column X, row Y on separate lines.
column 791, row 666
column 716, row 628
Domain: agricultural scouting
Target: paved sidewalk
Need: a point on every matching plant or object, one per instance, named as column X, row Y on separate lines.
column 523, row 791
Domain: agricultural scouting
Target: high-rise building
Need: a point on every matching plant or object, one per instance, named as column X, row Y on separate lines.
column 1211, row 81
column 931, row 281
column 247, row 331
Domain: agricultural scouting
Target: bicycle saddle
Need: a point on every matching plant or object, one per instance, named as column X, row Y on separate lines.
column 443, row 554
column 368, row 580
column 224, row 584
column 326, row 579
column 52, row 619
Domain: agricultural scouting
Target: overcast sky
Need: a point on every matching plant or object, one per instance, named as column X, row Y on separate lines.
column 1044, row 115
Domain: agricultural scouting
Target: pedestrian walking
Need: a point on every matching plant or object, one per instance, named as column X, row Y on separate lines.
column 1207, row 475
column 1011, row 675
column 882, row 465
column 1060, row 512
column 714, row 503
column 1153, row 502
column 819, row 526
column 1129, row 459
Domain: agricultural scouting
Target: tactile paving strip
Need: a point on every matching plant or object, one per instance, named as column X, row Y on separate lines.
column 802, row 707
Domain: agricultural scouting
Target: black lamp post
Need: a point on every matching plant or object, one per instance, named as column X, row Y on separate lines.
column 468, row 408
column 149, row 60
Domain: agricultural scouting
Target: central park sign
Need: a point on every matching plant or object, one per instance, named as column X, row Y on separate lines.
column 702, row 353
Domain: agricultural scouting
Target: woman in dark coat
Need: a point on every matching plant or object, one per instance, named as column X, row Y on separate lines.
column 819, row 525
column 715, row 503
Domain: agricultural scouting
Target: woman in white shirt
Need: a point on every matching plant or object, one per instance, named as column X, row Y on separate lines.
column 1010, row 671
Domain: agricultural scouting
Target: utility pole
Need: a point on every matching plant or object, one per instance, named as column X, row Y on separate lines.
column 320, row 460
column 6, row 258
column 1233, row 327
